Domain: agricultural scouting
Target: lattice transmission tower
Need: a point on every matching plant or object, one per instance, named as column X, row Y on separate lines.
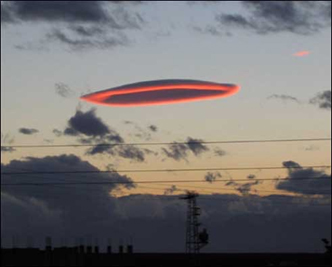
column 195, row 240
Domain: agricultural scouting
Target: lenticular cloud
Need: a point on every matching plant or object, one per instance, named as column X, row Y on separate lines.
column 161, row 92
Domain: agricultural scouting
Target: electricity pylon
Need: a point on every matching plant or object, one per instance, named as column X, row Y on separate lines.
column 195, row 240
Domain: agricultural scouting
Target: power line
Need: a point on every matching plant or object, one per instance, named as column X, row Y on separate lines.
column 234, row 189
column 204, row 181
column 164, row 170
column 171, row 143
column 215, row 196
column 151, row 182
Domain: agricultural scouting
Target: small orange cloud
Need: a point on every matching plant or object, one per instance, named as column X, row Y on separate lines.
column 301, row 54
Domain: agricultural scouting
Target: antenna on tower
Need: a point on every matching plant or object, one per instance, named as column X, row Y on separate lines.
column 195, row 240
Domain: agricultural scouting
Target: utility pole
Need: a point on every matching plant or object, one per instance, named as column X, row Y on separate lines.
column 195, row 240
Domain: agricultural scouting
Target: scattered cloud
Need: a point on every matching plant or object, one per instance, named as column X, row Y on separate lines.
column 153, row 128
column 140, row 132
column 113, row 13
column 8, row 149
column 90, row 129
column 211, row 177
column 179, row 151
column 244, row 188
column 270, row 17
column 28, row 131
column 63, row 90
column 79, row 25
column 322, row 100
column 131, row 152
column 55, row 11
column 171, row 190
column 79, row 43
column 124, row 151
column 284, row 98
column 319, row 183
column 196, row 146
column 100, row 149
column 251, row 176
column 176, row 151
column 219, row 152
column 87, row 123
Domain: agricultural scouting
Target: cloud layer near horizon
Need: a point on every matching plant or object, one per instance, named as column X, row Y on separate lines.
column 235, row 223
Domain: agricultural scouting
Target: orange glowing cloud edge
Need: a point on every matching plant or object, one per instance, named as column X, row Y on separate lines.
column 226, row 90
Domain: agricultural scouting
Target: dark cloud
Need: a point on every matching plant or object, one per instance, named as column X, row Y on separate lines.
column 219, row 152
column 291, row 165
column 71, row 131
column 244, row 188
column 79, row 43
column 88, row 123
column 157, row 223
column 28, row 131
column 7, row 149
column 123, row 151
column 171, row 190
column 54, row 164
column 284, row 98
column 56, row 209
column 90, row 129
column 323, row 100
column 196, row 146
column 87, row 31
column 57, row 132
column 153, row 128
column 114, row 15
column 235, row 20
column 211, row 177
column 149, row 151
column 79, row 25
column 131, row 152
column 63, row 90
column 100, row 149
column 176, row 151
column 266, row 17
column 55, row 11
column 320, row 184
column 179, row 151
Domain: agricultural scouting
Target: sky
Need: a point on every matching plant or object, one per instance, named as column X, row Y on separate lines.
column 278, row 52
